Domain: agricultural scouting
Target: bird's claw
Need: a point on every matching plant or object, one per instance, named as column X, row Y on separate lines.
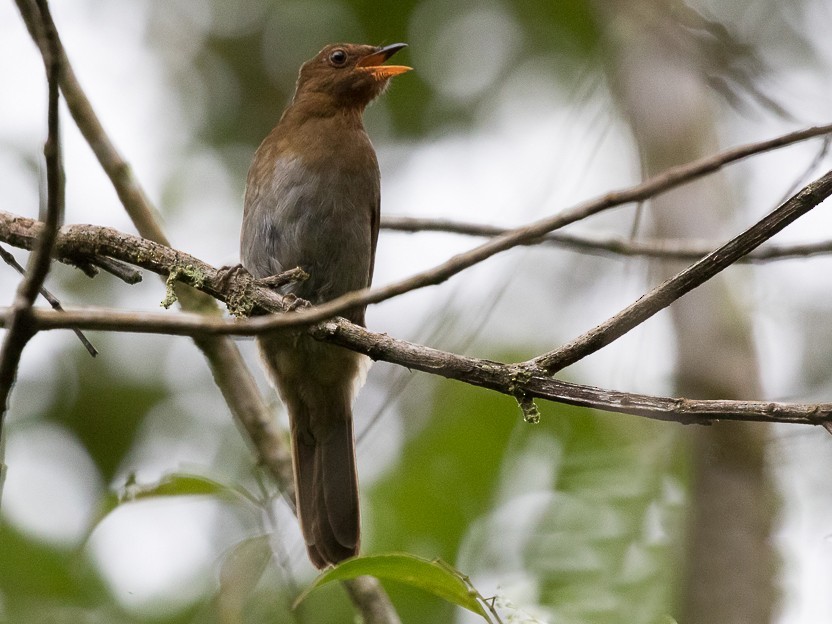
column 226, row 273
column 293, row 303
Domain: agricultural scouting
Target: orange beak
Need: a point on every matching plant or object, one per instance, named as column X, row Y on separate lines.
column 373, row 62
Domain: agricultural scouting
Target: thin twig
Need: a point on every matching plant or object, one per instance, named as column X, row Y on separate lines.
column 685, row 281
column 665, row 249
column 52, row 299
column 125, row 273
column 806, row 175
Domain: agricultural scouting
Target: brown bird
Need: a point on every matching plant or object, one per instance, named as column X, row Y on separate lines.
column 312, row 200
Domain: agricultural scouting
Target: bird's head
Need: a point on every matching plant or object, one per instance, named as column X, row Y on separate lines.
column 347, row 75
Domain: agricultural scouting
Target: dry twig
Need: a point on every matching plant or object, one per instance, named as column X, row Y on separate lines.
column 685, row 281
column 614, row 246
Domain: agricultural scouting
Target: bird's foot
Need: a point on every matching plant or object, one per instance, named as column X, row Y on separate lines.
column 229, row 272
column 293, row 302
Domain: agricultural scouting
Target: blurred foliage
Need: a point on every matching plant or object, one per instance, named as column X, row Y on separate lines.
column 105, row 411
column 598, row 496
column 443, row 481
column 41, row 583
column 251, row 51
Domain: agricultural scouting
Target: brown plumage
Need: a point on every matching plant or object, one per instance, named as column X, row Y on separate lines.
column 312, row 200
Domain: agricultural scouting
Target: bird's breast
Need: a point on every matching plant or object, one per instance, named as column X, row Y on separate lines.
column 316, row 213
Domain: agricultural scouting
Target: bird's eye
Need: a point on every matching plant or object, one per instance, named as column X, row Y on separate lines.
column 338, row 57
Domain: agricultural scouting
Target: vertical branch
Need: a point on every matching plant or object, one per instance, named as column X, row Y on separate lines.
column 727, row 571
column 20, row 328
column 129, row 191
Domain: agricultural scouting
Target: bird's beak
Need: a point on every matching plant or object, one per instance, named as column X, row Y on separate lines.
column 373, row 62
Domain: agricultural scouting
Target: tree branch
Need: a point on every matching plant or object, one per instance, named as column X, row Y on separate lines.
column 505, row 378
column 509, row 379
column 685, row 281
column 241, row 291
column 673, row 177
column 617, row 246
column 20, row 328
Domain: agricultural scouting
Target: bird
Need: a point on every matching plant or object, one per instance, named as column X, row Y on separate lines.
column 312, row 200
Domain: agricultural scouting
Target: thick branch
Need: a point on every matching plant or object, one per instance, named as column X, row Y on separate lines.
column 509, row 379
column 525, row 380
column 693, row 276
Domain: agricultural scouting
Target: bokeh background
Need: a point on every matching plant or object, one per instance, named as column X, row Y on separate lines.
column 515, row 111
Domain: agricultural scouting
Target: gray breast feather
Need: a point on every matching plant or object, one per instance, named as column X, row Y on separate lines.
column 320, row 221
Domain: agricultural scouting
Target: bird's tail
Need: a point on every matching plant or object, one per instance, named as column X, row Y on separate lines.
column 319, row 399
column 327, row 488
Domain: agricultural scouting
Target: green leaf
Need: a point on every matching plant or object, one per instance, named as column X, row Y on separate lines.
column 242, row 568
column 177, row 484
column 435, row 577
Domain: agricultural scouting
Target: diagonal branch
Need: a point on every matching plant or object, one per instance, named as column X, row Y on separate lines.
column 685, row 281
column 243, row 296
column 514, row 380
column 673, row 177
